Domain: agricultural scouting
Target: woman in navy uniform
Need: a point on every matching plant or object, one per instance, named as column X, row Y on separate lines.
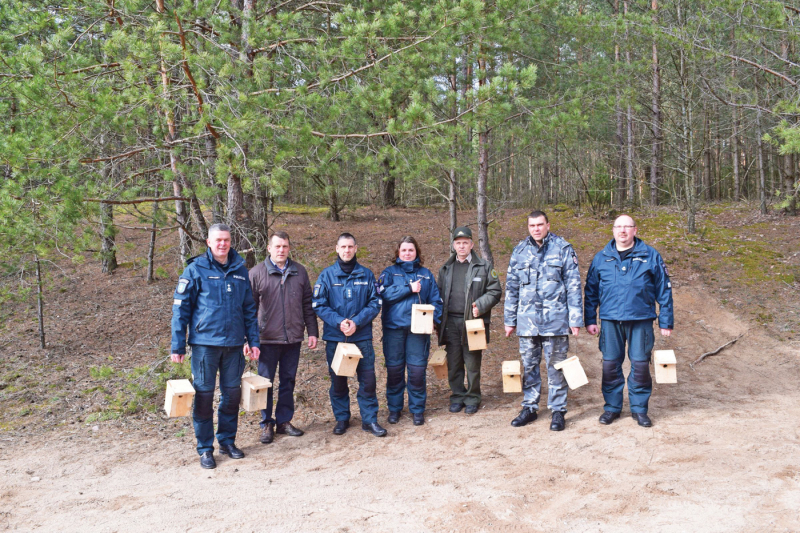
column 401, row 285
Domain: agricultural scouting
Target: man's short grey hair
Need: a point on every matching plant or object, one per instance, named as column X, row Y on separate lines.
column 345, row 236
column 219, row 227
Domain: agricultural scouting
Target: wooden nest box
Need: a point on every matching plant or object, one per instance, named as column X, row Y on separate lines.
column 512, row 376
column 665, row 363
column 345, row 360
column 178, row 400
column 476, row 334
column 573, row 371
column 422, row 319
column 254, row 392
column 438, row 362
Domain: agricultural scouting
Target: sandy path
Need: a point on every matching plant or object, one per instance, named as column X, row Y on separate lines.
column 724, row 455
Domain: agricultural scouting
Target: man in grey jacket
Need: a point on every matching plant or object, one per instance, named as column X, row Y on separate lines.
column 470, row 288
column 282, row 292
column 543, row 304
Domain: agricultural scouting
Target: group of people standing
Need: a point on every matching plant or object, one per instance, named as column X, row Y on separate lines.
column 263, row 314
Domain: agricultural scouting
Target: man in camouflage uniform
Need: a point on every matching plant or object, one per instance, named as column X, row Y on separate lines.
column 543, row 304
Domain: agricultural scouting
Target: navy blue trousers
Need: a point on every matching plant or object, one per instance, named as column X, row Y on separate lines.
column 406, row 352
column 340, row 391
column 206, row 362
column 639, row 337
column 283, row 359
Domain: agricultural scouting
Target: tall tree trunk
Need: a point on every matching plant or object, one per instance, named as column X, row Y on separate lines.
column 388, row 185
column 655, row 162
column 629, row 119
column 620, row 136
column 151, row 251
column 40, row 302
column 788, row 159
column 762, row 197
column 483, row 176
column 108, row 247
column 452, row 185
column 735, row 157
column 210, row 164
column 170, row 136
column 706, row 157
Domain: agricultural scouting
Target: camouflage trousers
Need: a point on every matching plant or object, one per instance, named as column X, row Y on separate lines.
column 555, row 350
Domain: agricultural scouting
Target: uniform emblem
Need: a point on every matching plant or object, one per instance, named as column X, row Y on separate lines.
column 494, row 273
column 316, row 291
column 182, row 284
column 575, row 259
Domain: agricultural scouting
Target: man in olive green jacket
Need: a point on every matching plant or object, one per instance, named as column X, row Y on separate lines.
column 470, row 288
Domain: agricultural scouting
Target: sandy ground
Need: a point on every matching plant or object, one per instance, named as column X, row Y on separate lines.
column 723, row 455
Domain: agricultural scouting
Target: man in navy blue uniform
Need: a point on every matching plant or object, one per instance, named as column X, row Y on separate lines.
column 346, row 299
column 626, row 279
column 214, row 301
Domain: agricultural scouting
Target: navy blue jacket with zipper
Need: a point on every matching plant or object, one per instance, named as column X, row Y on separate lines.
column 215, row 304
column 338, row 296
column 394, row 287
column 628, row 290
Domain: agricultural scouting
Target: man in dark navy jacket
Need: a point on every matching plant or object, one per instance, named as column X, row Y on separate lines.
column 626, row 279
column 346, row 299
column 214, row 301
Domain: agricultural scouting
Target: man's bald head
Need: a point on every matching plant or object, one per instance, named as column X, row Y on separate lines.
column 624, row 232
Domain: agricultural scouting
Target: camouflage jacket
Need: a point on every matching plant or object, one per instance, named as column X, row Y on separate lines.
column 543, row 288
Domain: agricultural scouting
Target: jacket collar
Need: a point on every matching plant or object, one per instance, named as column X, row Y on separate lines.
column 234, row 260
column 291, row 268
column 474, row 259
column 407, row 266
column 545, row 241
column 358, row 270
column 639, row 248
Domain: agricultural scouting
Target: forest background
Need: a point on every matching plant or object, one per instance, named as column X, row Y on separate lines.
column 178, row 115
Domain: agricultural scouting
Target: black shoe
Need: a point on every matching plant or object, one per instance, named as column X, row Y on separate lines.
column 607, row 417
column 341, row 427
column 456, row 407
column 557, row 422
column 207, row 460
column 267, row 434
column 419, row 418
column 374, row 428
column 642, row 419
column 526, row 416
column 288, row 429
column 394, row 417
column 231, row 450
column 471, row 409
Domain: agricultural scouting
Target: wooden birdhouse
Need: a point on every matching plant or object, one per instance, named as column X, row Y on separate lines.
column 422, row 319
column 512, row 376
column 573, row 372
column 178, row 400
column 438, row 362
column 665, row 363
column 254, row 392
column 345, row 360
column 476, row 334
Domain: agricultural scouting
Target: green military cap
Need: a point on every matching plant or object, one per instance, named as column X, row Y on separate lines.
column 463, row 231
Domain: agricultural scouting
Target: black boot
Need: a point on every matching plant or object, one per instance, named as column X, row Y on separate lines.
column 341, row 427
column 526, row 416
column 374, row 428
column 557, row 422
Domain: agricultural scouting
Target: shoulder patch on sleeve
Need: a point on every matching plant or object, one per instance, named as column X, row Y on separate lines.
column 316, row 290
column 574, row 258
column 494, row 273
column 182, row 284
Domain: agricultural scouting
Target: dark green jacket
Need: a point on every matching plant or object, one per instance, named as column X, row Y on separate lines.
column 482, row 287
